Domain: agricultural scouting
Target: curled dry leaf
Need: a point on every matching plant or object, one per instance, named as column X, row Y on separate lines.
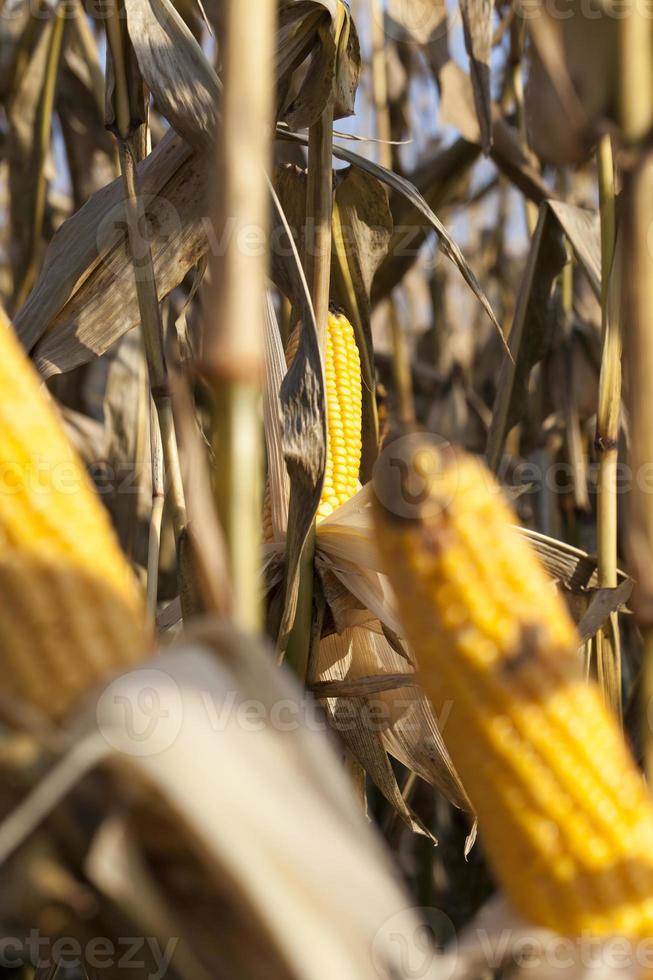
column 318, row 60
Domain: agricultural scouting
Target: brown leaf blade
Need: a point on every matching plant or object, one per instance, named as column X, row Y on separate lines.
column 477, row 27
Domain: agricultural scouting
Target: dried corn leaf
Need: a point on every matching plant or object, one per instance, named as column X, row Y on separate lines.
column 442, row 182
column 175, row 69
column 304, row 448
column 361, row 722
column 126, row 485
column 411, row 193
column 535, row 316
column 582, row 228
column 602, row 603
column 23, row 109
column 85, row 297
column 457, row 109
column 318, row 60
column 303, row 435
column 197, row 784
column 275, row 370
column 571, row 567
column 532, row 330
column 361, row 231
column 477, row 26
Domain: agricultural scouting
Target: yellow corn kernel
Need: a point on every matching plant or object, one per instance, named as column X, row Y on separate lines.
column 563, row 811
column 70, row 609
column 344, row 399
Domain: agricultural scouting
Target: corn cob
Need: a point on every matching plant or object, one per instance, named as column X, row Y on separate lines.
column 70, row 609
column 563, row 812
column 342, row 372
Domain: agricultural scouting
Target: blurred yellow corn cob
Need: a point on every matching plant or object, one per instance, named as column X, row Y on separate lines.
column 342, row 371
column 70, row 609
column 563, row 811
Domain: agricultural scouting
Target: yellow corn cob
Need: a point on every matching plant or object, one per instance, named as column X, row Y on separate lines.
column 342, row 371
column 70, row 609
column 563, row 811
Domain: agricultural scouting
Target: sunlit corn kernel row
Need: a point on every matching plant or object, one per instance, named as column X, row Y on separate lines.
column 71, row 612
column 344, row 418
column 563, row 812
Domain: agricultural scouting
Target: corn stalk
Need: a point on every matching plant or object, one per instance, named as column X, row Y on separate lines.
column 233, row 322
column 636, row 107
column 607, row 435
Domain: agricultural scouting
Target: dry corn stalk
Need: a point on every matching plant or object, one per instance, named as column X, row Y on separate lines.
column 70, row 609
column 344, row 417
column 562, row 809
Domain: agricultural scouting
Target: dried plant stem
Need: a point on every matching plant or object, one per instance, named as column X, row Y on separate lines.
column 152, row 329
column 42, row 145
column 572, row 424
column 317, row 262
column 121, row 93
column 636, row 263
column 607, row 434
column 235, row 310
column 380, row 86
column 401, row 367
column 156, row 516
column 88, row 45
column 635, row 72
column 517, row 89
column 165, row 470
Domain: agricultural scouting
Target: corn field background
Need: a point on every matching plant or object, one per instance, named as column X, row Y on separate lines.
column 285, row 692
